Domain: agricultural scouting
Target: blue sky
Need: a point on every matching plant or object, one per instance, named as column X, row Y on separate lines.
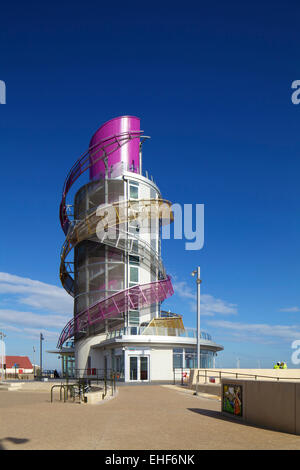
column 212, row 86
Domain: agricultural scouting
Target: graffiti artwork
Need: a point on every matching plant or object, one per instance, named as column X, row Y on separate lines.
column 232, row 399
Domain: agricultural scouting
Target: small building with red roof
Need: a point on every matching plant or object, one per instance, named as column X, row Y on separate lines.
column 18, row 365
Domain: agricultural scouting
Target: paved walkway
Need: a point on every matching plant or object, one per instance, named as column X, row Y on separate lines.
column 144, row 417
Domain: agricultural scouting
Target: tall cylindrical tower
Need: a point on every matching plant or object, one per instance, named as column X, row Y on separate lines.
column 116, row 276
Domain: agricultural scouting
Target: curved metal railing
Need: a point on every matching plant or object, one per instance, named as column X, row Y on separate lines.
column 123, row 240
column 135, row 297
column 94, row 154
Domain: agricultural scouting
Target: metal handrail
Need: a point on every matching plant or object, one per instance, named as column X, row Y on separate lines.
column 247, row 375
column 156, row 331
column 211, row 372
column 65, row 388
column 133, row 296
column 220, row 372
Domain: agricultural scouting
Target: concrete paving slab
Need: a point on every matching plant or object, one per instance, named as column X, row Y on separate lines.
column 149, row 417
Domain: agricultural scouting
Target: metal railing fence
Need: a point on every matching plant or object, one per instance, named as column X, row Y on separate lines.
column 209, row 374
column 80, row 385
column 181, row 376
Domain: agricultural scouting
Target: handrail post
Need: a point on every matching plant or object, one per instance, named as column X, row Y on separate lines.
column 105, row 385
column 51, row 394
column 197, row 381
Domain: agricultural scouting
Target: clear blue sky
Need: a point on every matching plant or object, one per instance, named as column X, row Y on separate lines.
column 212, row 86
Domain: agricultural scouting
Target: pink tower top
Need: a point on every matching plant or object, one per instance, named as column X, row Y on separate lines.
column 121, row 127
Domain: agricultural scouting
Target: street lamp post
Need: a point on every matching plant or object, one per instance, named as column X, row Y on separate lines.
column 33, row 362
column 198, row 282
column 41, row 354
column 2, row 352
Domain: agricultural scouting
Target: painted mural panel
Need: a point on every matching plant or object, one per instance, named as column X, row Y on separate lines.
column 233, row 399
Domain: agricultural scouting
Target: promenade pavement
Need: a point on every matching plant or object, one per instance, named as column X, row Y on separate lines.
column 148, row 417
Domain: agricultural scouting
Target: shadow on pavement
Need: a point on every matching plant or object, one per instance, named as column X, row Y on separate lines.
column 221, row 417
column 14, row 440
column 211, row 413
column 228, row 419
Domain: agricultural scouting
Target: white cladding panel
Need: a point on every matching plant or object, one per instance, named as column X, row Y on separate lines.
column 161, row 364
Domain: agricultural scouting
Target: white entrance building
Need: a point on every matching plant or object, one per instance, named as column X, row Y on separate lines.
column 141, row 354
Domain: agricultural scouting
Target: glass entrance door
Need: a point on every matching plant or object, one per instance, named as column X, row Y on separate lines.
column 133, row 369
column 144, row 368
column 139, row 368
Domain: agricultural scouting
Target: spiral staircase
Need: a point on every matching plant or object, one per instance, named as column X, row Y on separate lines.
column 95, row 226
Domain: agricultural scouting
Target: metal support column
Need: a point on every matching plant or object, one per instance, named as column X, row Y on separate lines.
column 41, row 353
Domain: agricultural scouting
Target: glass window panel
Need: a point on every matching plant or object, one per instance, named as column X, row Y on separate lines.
column 135, row 246
column 134, row 317
column 190, row 360
column 134, row 227
column 134, row 260
column 177, row 358
column 134, row 192
column 119, row 364
column 144, row 368
column 134, row 274
column 132, row 284
column 177, row 361
column 133, row 368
